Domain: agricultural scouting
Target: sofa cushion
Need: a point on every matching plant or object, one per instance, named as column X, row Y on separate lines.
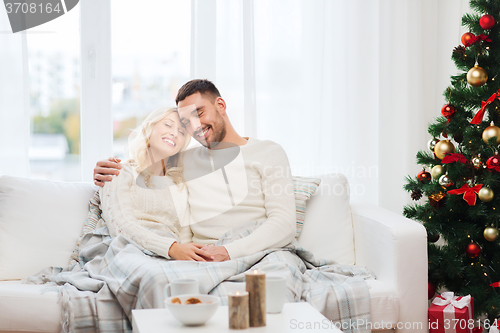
column 40, row 222
column 90, row 224
column 38, row 303
column 328, row 230
column 303, row 189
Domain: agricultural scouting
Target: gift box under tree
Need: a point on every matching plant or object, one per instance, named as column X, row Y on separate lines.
column 494, row 327
column 449, row 314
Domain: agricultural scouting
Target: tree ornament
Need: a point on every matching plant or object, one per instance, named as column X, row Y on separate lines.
column 469, row 193
column 437, row 200
column 490, row 234
column 487, row 22
column 432, row 143
column 467, row 37
column 478, row 118
column 473, row 250
column 445, row 181
column 459, row 51
column 437, row 171
column 416, row 194
column 431, row 290
column 450, row 158
column 448, row 111
column 493, row 163
column 486, row 194
column 477, row 76
column 443, row 147
column 424, row 177
column 432, row 238
column 476, row 161
column 490, row 132
column 471, row 182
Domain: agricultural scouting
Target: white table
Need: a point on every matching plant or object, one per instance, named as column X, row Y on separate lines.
column 294, row 317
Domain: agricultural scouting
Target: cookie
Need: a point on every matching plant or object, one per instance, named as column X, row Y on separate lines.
column 192, row 300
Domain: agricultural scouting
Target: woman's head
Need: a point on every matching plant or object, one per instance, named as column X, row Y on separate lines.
column 160, row 136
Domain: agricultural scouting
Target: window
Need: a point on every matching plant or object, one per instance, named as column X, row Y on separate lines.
column 54, row 69
column 150, row 60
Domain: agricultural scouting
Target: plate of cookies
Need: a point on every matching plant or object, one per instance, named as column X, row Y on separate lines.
column 193, row 309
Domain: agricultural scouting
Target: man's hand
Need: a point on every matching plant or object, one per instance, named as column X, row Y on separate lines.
column 219, row 253
column 104, row 168
column 189, row 251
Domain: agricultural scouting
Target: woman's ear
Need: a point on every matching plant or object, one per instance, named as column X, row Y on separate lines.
column 220, row 105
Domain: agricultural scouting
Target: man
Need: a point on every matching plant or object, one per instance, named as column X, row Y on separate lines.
column 247, row 179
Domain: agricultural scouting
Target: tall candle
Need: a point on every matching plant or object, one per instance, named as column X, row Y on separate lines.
column 238, row 310
column 256, row 287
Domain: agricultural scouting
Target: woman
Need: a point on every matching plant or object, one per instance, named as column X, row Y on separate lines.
column 147, row 202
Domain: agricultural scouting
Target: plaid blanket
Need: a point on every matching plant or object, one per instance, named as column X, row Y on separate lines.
column 114, row 276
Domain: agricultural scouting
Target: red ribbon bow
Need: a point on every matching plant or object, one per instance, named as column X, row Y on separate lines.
column 450, row 158
column 477, row 38
column 469, row 193
column 478, row 118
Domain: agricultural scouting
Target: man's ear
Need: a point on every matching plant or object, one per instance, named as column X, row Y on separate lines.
column 220, row 104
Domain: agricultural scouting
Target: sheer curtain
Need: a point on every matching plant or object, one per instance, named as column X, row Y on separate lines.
column 14, row 101
column 343, row 86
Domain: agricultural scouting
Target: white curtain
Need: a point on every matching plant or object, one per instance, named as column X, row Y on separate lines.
column 14, row 101
column 343, row 86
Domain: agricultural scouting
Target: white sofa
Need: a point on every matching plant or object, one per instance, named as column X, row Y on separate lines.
column 40, row 222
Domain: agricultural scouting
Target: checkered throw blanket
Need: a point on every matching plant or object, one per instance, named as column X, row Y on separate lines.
column 114, row 276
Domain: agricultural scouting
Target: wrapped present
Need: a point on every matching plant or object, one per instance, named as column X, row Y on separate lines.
column 451, row 314
column 495, row 326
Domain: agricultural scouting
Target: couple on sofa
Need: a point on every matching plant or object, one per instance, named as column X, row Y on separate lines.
column 199, row 194
column 221, row 210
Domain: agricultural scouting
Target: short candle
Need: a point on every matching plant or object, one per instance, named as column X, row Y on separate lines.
column 256, row 286
column 238, row 310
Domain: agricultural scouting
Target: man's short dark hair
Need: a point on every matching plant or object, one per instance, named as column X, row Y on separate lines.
column 203, row 86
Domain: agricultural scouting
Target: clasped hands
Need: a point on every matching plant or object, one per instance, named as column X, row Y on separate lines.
column 198, row 252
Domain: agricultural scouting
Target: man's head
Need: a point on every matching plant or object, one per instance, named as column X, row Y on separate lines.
column 202, row 111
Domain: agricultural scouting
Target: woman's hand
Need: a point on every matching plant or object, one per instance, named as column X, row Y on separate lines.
column 104, row 168
column 189, row 251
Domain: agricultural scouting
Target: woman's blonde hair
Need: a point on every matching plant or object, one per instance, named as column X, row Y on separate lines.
column 138, row 144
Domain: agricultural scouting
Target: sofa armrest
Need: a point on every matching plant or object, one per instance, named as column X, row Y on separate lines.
column 395, row 249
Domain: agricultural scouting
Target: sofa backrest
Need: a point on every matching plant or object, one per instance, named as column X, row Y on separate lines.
column 328, row 230
column 40, row 222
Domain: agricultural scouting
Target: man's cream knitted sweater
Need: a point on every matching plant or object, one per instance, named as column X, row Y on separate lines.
column 250, row 183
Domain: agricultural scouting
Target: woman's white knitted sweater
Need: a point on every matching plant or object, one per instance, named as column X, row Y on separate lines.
column 147, row 216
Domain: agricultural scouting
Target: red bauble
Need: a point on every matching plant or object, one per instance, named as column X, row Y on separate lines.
column 473, row 250
column 466, row 37
column 431, row 290
column 424, row 177
column 448, row 110
column 493, row 163
column 487, row 22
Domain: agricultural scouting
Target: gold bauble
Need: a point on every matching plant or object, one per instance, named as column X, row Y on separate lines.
column 443, row 147
column 477, row 76
column 437, row 171
column 490, row 234
column 491, row 131
column 486, row 194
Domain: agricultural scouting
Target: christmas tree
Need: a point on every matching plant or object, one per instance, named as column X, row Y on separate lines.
column 461, row 192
